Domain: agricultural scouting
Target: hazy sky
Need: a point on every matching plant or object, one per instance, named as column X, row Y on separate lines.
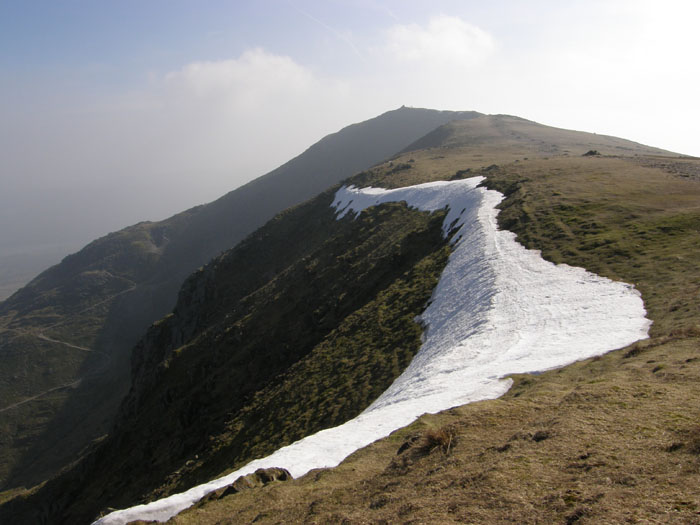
column 113, row 112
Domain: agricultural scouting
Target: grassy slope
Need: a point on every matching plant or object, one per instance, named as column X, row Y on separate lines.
column 304, row 351
column 608, row 440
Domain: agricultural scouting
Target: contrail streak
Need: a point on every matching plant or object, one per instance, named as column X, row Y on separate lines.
column 335, row 32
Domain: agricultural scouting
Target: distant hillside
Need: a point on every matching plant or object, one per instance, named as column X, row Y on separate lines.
column 66, row 337
column 503, row 133
column 300, row 327
column 18, row 268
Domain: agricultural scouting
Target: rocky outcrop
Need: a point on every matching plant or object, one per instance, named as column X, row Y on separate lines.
column 257, row 479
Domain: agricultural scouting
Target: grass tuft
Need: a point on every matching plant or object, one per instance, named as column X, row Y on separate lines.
column 436, row 438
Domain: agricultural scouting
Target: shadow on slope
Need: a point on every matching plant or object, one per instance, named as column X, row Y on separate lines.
column 144, row 266
column 294, row 330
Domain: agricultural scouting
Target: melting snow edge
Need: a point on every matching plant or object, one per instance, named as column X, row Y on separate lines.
column 497, row 310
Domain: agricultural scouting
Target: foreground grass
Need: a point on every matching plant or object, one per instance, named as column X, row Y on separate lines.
column 614, row 439
column 608, row 440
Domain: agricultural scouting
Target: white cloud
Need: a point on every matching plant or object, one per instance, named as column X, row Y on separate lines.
column 248, row 82
column 446, row 40
column 245, row 116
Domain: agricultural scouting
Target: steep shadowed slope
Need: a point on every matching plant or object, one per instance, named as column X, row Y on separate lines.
column 268, row 343
column 65, row 338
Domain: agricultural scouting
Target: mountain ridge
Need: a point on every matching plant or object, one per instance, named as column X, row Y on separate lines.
column 435, row 163
column 506, row 167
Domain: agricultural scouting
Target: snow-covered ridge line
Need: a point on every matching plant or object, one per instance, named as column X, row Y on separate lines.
column 498, row 309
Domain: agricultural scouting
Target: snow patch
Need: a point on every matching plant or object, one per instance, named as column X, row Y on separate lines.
column 498, row 309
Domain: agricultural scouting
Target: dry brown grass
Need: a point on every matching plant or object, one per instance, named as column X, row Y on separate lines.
column 693, row 440
column 590, row 443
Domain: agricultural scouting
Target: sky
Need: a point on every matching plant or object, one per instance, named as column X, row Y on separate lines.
column 114, row 112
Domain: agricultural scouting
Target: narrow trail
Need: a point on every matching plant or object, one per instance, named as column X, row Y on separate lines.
column 40, row 335
column 64, row 343
column 99, row 303
column 74, row 384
